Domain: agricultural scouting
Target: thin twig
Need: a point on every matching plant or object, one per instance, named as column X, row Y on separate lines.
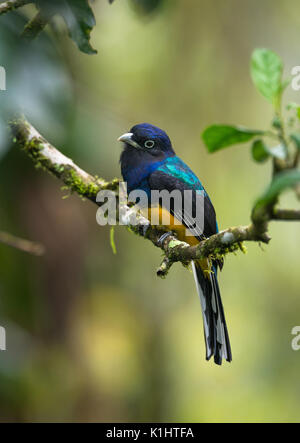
column 164, row 268
column 286, row 215
column 35, row 26
column 22, row 244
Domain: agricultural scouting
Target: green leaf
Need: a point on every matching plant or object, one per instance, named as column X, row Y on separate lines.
column 266, row 72
column 78, row 17
column 80, row 20
column 297, row 112
column 294, row 107
column 281, row 182
column 296, row 139
column 218, row 137
column 260, row 151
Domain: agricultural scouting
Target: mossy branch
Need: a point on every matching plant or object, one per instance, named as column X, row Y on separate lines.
column 50, row 159
column 36, row 25
column 11, row 5
column 47, row 157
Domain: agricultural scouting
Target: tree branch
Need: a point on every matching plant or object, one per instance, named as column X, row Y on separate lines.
column 46, row 156
column 286, row 215
column 35, row 26
column 11, row 5
column 22, row 244
column 164, row 268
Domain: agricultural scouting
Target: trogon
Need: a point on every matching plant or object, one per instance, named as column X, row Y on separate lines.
column 149, row 163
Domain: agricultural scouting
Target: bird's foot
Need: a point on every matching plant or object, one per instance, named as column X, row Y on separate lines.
column 164, row 237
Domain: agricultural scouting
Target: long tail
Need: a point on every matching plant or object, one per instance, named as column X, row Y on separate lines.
column 215, row 329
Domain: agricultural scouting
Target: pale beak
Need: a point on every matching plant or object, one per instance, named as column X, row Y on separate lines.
column 127, row 138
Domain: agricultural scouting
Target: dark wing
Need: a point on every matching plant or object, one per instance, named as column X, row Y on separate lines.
column 160, row 181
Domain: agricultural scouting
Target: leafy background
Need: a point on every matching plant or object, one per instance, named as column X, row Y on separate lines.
column 96, row 336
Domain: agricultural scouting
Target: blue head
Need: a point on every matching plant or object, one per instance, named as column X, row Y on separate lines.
column 148, row 140
column 145, row 147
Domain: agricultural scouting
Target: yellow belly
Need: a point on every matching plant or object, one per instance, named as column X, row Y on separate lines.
column 168, row 222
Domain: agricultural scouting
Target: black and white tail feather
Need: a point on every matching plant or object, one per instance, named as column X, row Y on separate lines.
column 215, row 329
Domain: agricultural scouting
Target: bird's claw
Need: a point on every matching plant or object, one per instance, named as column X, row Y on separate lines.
column 163, row 237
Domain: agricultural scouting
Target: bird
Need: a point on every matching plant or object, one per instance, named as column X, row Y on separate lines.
column 149, row 163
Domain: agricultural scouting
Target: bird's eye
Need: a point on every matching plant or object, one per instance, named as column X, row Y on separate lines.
column 149, row 144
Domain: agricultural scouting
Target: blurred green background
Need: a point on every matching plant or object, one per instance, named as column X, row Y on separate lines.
column 93, row 336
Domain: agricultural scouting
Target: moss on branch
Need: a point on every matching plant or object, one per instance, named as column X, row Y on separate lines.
column 11, row 5
column 45, row 156
column 35, row 26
